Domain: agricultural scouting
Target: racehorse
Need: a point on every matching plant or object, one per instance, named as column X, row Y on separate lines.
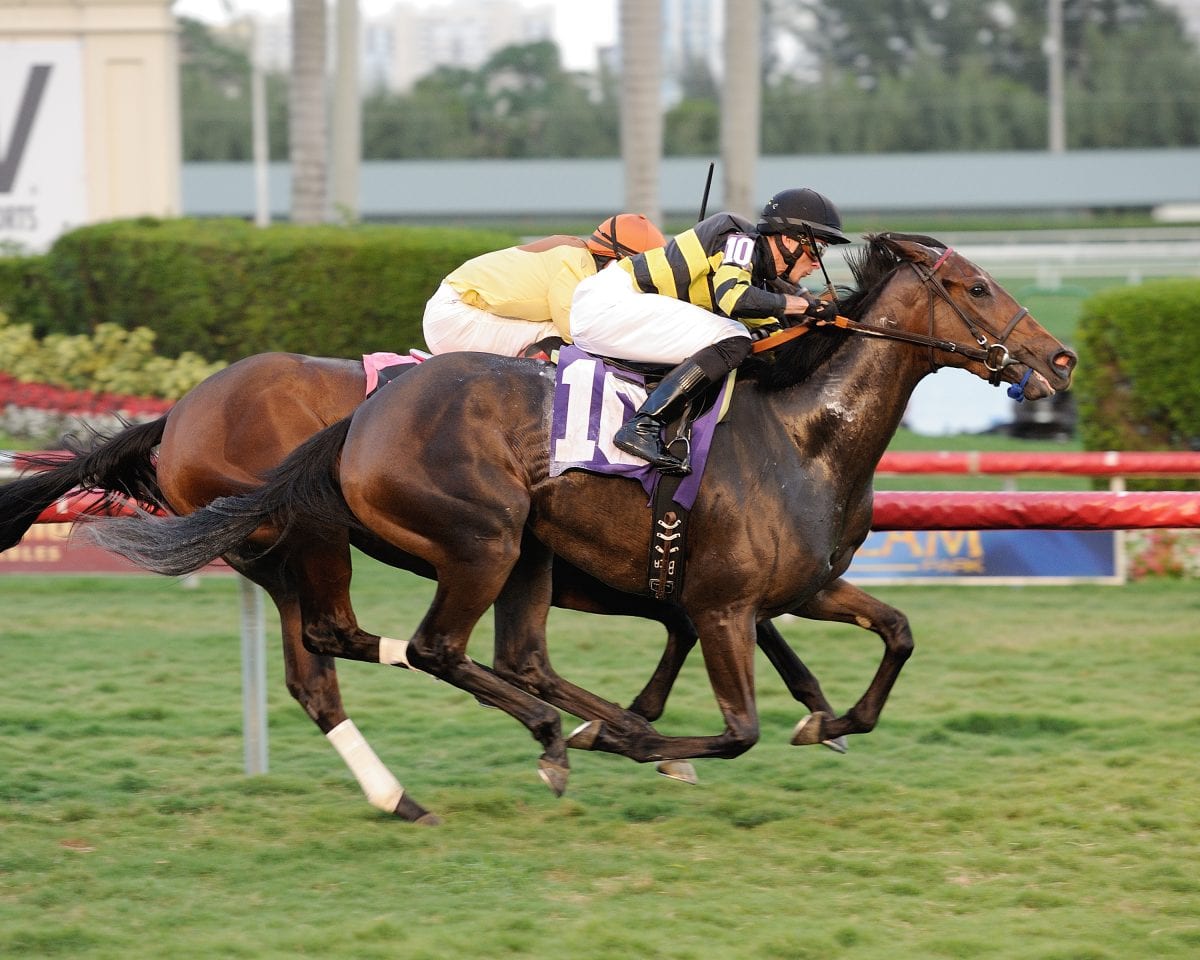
column 784, row 503
column 219, row 440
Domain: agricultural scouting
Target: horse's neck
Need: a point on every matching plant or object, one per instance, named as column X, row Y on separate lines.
column 848, row 412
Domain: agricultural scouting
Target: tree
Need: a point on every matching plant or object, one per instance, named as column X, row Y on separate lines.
column 987, row 58
column 520, row 103
column 214, row 86
column 309, row 134
column 641, row 113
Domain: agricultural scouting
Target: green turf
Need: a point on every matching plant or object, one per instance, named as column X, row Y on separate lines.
column 1029, row 793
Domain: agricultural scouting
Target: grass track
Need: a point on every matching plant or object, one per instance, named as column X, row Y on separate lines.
column 1030, row 793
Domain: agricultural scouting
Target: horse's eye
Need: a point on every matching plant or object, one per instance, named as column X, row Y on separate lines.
column 978, row 289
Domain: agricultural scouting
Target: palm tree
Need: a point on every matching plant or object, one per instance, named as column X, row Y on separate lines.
column 641, row 104
column 309, row 139
column 740, row 104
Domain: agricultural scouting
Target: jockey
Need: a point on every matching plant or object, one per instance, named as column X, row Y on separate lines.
column 695, row 301
column 503, row 301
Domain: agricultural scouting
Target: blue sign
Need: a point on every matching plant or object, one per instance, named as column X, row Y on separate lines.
column 988, row 556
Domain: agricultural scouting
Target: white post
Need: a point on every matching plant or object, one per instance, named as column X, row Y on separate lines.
column 1056, row 136
column 347, row 114
column 259, row 131
column 254, row 679
column 259, row 125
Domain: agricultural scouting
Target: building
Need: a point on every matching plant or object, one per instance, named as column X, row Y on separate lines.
column 400, row 47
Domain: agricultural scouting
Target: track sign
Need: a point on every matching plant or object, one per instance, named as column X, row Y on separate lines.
column 43, row 190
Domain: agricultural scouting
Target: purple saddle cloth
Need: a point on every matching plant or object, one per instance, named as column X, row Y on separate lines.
column 592, row 399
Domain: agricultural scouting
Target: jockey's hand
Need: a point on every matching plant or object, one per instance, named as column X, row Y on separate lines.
column 806, row 306
column 761, row 333
column 822, row 310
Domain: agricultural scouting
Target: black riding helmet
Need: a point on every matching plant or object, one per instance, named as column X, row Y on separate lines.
column 801, row 214
column 795, row 212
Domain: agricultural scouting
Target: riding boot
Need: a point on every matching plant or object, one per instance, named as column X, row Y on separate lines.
column 642, row 434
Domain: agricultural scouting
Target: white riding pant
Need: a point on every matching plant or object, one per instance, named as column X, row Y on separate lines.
column 611, row 317
column 450, row 325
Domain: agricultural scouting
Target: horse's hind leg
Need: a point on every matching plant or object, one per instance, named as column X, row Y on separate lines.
column 312, row 681
column 438, row 647
column 846, row 603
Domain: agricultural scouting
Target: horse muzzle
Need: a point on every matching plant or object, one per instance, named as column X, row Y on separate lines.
column 1042, row 380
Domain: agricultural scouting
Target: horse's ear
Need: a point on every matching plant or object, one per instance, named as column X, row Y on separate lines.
column 912, row 247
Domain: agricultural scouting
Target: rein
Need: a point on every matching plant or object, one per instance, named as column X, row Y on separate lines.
column 994, row 356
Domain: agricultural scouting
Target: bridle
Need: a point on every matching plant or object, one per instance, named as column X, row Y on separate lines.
column 993, row 354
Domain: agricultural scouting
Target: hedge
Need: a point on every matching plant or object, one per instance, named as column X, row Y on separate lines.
column 1138, row 383
column 225, row 289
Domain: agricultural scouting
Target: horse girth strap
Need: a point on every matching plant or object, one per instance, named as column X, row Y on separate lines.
column 668, row 541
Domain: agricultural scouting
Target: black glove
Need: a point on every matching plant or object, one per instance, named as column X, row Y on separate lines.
column 822, row 310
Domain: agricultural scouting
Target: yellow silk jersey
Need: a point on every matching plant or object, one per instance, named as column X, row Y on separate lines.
column 712, row 266
column 534, row 281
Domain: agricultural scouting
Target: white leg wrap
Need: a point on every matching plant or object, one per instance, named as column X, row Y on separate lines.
column 394, row 653
column 382, row 789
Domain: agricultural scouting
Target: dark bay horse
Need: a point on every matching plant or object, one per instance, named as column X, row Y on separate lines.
column 785, row 502
column 220, row 439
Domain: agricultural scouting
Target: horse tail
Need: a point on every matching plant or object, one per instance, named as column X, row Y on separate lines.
column 117, row 465
column 302, row 490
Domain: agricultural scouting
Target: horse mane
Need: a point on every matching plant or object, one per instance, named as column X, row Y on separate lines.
column 871, row 267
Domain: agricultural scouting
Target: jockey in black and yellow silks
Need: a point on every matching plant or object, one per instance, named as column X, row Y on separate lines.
column 694, row 301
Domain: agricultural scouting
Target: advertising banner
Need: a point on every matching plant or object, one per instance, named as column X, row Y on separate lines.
column 43, row 190
column 988, row 557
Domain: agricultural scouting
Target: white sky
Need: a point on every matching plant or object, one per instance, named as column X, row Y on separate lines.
column 580, row 25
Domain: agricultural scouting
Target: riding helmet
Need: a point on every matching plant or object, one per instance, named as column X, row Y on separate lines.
column 624, row 235
column 790, row 212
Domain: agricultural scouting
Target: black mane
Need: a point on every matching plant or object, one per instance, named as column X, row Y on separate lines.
column 871, row 266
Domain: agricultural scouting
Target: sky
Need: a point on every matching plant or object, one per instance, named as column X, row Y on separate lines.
column 580, row 25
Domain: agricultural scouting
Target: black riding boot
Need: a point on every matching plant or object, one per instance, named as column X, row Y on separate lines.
column 642, row 435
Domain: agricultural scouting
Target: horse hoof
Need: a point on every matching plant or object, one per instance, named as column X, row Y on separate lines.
column 808, row 730
column 679, row 770
column 554, row 775
column 413, row 812
column 837, row 744
column 584, row 736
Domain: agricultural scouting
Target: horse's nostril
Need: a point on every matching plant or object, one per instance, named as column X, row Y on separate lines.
column 1065, row 361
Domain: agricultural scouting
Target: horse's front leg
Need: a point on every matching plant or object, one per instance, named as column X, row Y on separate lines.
column 845, row 603
column 681, row 639
column 802, row 684
column 521, row 656
column 727, row 639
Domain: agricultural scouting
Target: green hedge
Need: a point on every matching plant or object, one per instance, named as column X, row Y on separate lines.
column 225, row 289
column 1138, row 385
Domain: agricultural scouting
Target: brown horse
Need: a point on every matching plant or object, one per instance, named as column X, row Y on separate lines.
column 785, row 502
column 230, row 430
